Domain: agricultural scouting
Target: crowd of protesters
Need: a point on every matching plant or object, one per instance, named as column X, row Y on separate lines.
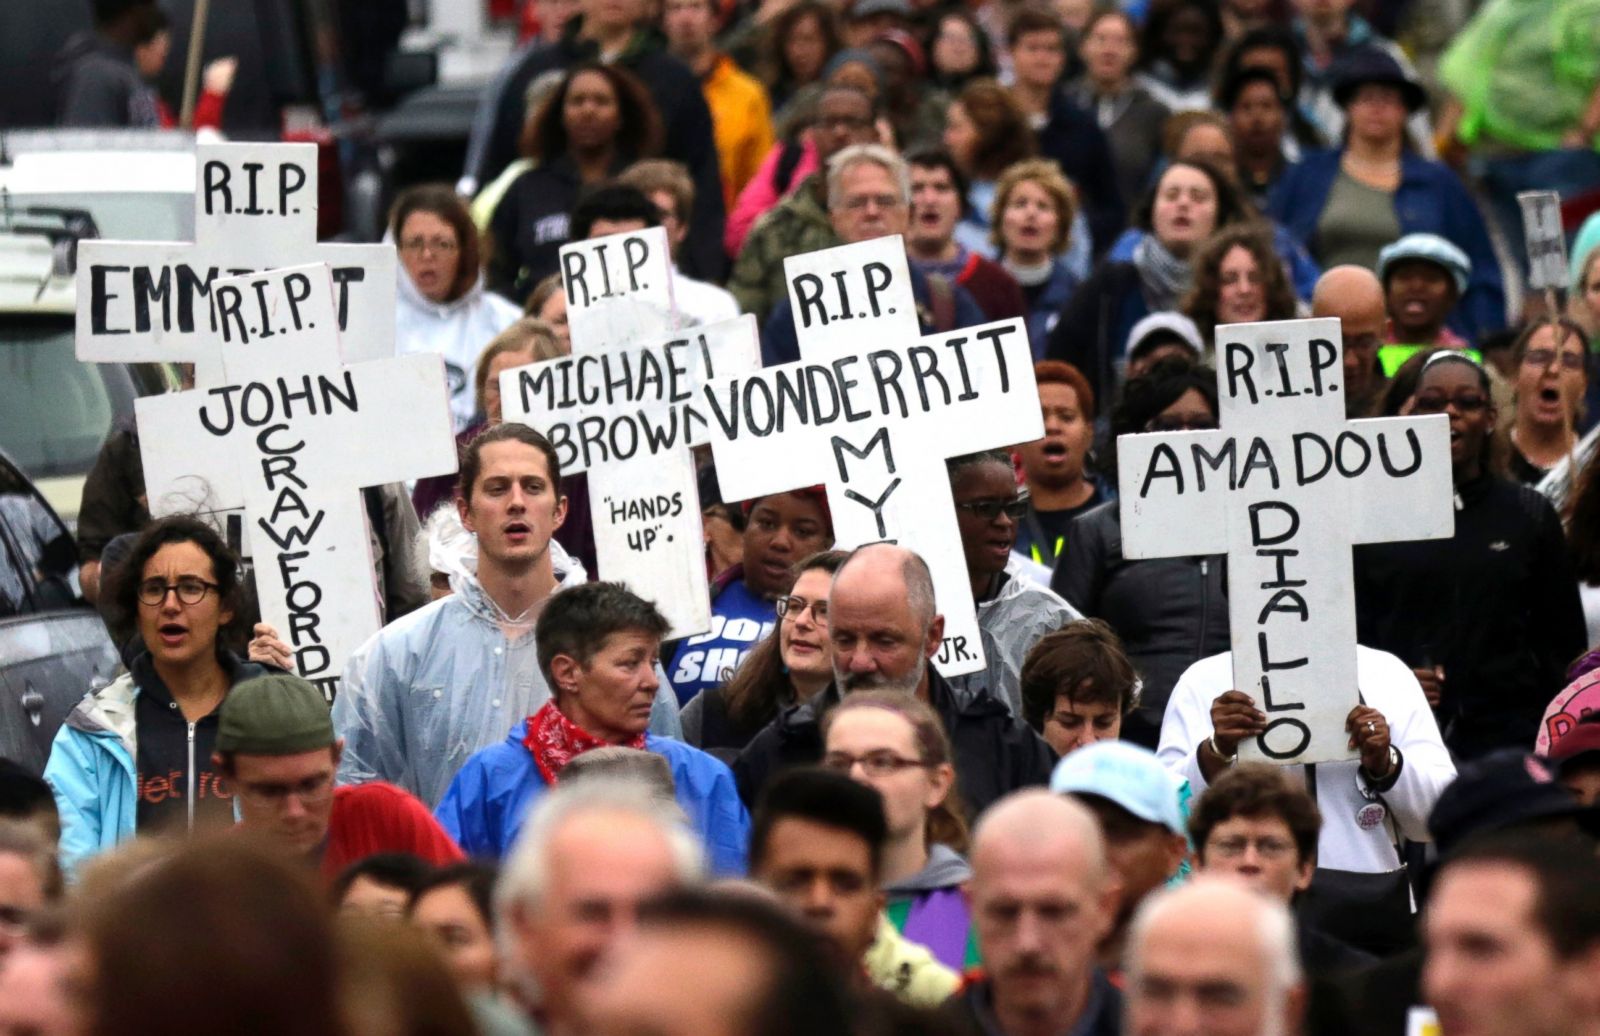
column 530, row 810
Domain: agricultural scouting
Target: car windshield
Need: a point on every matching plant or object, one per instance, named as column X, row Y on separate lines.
column 140, row 216
column 54, row 410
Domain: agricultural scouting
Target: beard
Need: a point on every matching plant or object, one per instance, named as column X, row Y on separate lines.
column 877, row 681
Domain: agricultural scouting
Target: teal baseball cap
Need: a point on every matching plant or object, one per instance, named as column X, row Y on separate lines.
column 1126, row 774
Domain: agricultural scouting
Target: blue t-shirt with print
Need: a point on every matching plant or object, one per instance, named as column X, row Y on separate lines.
column 739, row 620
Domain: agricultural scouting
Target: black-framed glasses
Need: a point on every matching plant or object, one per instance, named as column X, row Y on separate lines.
column 1544, row 357
column 188, row 589
column 1465, row 403
column 882, row 763
column 796, row 607
column 310, row 791
column 989, row 510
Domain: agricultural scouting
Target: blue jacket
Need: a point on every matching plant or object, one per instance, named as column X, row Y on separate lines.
column 491, row 796
column 1431, row 199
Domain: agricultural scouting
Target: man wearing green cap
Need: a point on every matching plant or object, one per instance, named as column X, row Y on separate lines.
column 275, row 745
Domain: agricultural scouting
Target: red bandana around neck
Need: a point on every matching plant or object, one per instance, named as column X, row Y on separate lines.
column 554, row 740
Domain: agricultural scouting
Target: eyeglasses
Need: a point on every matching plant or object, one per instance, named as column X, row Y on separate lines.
column 883, row 201
column 1267, row 848
column 310, row 791
column 1544, row 357
column 989, row 510
column 874, row 764
column 436, row 245
column 1465, row 403
column 1181, row 423
column 189, row 591
column 796, row 607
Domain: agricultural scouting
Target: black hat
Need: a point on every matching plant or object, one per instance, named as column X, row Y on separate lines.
column 1370, row 65
column 1501, row 790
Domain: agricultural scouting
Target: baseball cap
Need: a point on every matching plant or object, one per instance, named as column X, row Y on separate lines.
column 1125, row 774
column 1430, row 248
column 277, row 714
column 1497, row 791
column 1581, row 743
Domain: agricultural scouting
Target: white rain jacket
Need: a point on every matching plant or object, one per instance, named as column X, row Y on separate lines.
column 1010, row 623
column 435, row 686
column 1387, row 685
column 457, row 331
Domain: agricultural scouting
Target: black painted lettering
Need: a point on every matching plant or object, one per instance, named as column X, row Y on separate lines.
column 192, row 286
column 1324, row 357
column 852, row 413
column 996, row 336
column 343, row 277
column 958, row 346
column 99, row 296
column 215, row 179
column 925, row 367
column 1284, row 601
column 1258, row 538
column 228, row 300
column 885, row 380
column 879, row 440
column 573, row 268
column 845, row 312
column 253, row 173
column 1301, row 441
column 1238, row 359
column 1389, row 465
column 331, row 393
column 1285, row 386
column 1202, row 460
column 1163, row 464
column 147, row 289
column 808, row 293
column 1302, row 735
column 1279, row 555
column 290, row 179
column 1269, row 666
column 878, row 278
column 296, row 288
column 1359, row 446
column 1260, row 456
column 876, row 506
column 225, row 425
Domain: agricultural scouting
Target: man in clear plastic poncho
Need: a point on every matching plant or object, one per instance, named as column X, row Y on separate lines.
column 453, row 677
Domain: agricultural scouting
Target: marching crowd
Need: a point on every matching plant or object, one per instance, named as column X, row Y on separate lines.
column 529, row 809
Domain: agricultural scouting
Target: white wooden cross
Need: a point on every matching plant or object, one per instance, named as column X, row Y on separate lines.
column 1285, row 488
column 622, row 408
column 872, row 410
column 292, row 434
column 255, row 208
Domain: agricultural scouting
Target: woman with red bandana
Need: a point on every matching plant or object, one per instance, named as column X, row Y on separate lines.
column 597, row 648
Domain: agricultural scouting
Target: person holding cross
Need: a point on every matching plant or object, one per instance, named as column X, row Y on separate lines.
column 135, row 755
column 886, row 628
column 1014, row 611
column 452, row 677
column 1367, row 803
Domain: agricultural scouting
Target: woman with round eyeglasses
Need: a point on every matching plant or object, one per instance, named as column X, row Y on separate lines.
column 895, row 744
column 791, row 666
column 1490, row 618
column 1170, row 612
column 443, row 307
column 1551, row 380
column 135, row 755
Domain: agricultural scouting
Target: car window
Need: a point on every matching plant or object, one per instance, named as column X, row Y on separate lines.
column 54, row 410
column 128, row 216
column 35, row 550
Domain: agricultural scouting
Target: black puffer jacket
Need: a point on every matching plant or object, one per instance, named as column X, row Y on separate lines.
column 1496, row 606
column 1170, row 612
column 996, row 753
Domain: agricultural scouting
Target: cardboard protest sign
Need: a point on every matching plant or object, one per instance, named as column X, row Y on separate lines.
column 1546, row 241
column 255, row 209
column 1285, row 488
column 872, row 410
column 292, row 434
column 628, row 416
column 622, row 408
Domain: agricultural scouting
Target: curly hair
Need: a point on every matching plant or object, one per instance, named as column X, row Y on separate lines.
column 1258, row 791
column 774, row 64
column 123, row 583
column 1004, row 136
column 1156, row 389
column 639, row 133
column 1083, row 660
column 1200, row 305
column 1046, row 175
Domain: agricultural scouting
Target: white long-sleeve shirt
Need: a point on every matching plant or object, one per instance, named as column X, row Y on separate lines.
column 1387, row 685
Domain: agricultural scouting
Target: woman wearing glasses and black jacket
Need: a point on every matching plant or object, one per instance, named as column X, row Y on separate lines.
column 135, row 755
column 1170, row 612
column 1488, row 619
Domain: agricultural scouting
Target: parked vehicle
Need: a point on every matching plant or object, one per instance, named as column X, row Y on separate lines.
column 53, row 647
